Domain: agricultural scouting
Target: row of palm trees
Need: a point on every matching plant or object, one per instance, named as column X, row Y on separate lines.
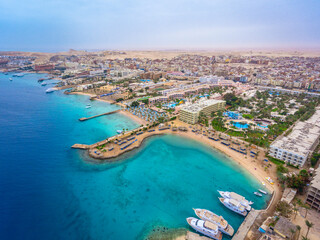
column 309, row 226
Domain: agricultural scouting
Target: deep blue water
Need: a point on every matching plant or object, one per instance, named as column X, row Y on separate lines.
column 50, row 191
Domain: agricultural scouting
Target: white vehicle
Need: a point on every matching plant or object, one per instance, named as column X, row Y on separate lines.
column 207, row 215
column 239, row 198
column 234, row 205
column 205, row 227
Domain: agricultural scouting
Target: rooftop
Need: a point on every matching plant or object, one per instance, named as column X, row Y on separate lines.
column 197, row 107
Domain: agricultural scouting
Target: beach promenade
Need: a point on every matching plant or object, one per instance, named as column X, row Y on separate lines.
column 111, row 148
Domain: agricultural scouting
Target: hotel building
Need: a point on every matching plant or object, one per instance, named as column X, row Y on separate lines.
column 300, row 143
column 313, row 196
column 190, row 114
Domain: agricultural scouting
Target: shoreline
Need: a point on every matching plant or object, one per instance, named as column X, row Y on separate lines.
column 254, row 167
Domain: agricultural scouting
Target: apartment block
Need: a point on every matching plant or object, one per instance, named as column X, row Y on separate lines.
column 299, row 144
column 313, row 196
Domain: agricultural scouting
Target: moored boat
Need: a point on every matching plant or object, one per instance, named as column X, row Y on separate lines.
column 207, row 215
column 237, row 197
column 88, row 106
column 10, row 79
column 50, row 90
column 264, row 192
column 234, row 205
column 205, row 227
column 257, row 194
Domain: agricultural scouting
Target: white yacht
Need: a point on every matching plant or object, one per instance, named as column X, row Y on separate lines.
column 264, row 192
column 10, row 79
column 207, row 215
column 205, row 227
column 88, row 106
column 257, row 194
column 50, row 90
column 239, row 198
column 234, row 205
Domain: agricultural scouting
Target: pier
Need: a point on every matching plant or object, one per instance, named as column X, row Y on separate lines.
column 81, row 146
column 99, row 115
column 246, row 225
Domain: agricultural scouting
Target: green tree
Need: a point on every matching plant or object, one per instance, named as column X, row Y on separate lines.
column 135, row 104
column 284, row 208
column 298, row 229
column 309, row 225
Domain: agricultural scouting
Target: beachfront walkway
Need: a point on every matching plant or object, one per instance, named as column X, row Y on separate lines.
column 246, row 225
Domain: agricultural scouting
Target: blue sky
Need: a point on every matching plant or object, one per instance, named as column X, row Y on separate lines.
column 49, row 25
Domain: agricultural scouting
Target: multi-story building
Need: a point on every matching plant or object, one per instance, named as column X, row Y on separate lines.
column 299, row 144
column 313, row 196
column 190, row 114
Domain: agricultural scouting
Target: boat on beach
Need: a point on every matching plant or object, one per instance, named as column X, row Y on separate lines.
column 207, row 215
column 257, row 194
column 264, row 192
column 234, row 205
column 232, row 195
column 205, row 227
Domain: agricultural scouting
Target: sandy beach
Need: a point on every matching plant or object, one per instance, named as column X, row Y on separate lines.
column 256, row 167
column 134, row 117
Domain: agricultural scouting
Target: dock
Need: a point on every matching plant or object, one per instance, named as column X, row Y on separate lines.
column 81, row 146
column 246, row 225
column 99, row 115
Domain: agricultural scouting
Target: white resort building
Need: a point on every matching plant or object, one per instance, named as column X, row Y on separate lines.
column 300, row 143
column 190, row 114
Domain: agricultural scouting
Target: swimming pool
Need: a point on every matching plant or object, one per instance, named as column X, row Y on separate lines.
column 262, row 126
column 240, row 125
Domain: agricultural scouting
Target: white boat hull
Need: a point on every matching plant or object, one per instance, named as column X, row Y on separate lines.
column 217, row 236
column 227, row 230
column 244, row 213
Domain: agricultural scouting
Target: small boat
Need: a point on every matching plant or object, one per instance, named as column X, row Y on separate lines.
column 10, row 79
column 264, row 192
column 205, row 227
column 234, row 205
column 119, row 131
column 43, row 84
column 18, row 75
column 88, row 106
column 207, row 215
column 50, row 90
column 263, row 183
column 257, row 194
column 239, row 198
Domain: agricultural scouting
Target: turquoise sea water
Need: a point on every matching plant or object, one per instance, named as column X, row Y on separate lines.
column 50, row 191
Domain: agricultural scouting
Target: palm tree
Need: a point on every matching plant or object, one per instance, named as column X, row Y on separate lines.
column 307, row 207
column 292, row 232
column 305, row 238
column 295, row 212
column 309, row 225
column 299, row 229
